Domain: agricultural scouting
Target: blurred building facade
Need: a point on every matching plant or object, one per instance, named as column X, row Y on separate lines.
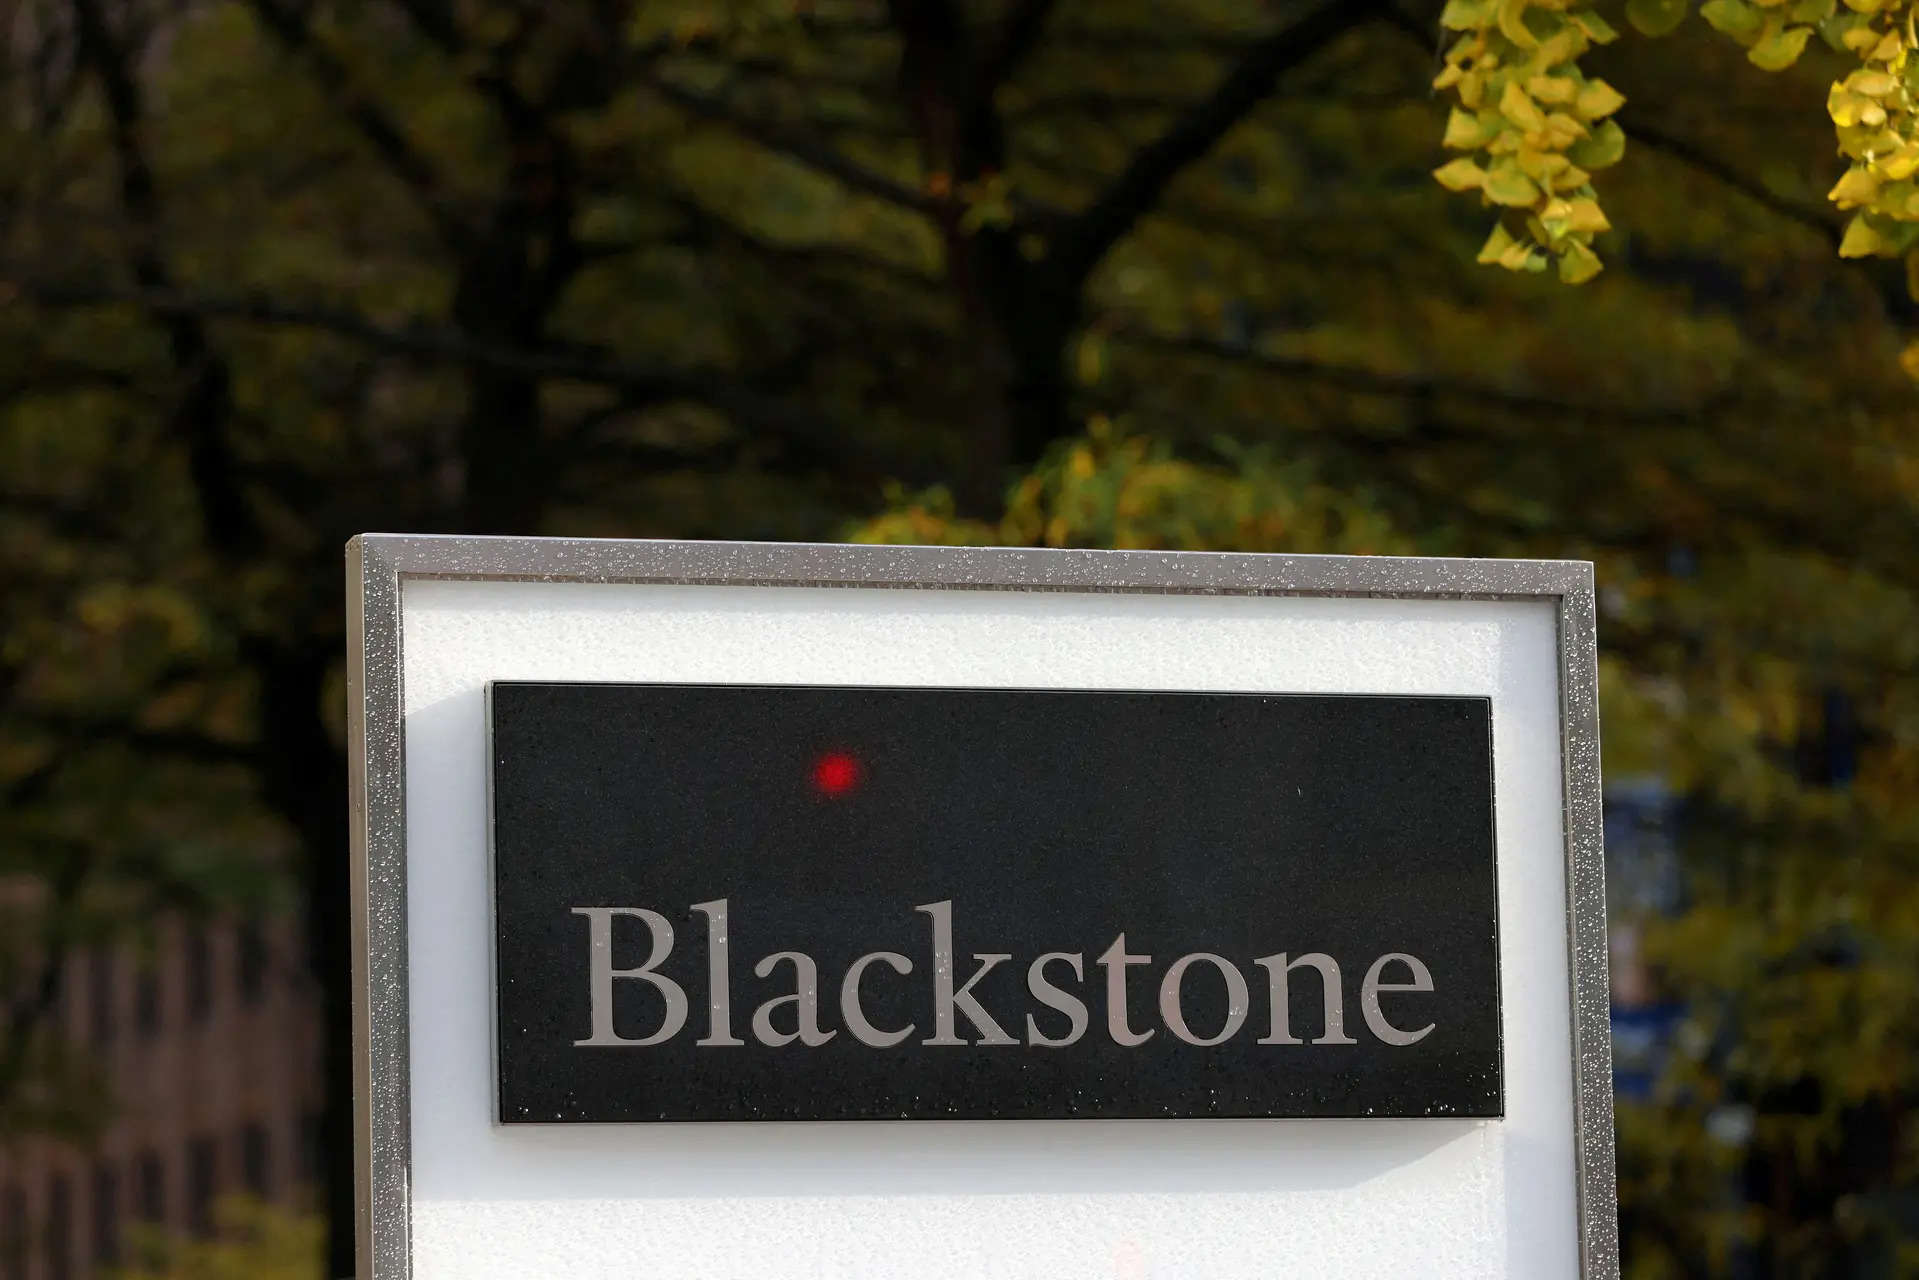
column 210, row 1046
column 1643, row 882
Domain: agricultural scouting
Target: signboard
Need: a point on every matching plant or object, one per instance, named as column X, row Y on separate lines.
column 747, row 902
column 1256, row 900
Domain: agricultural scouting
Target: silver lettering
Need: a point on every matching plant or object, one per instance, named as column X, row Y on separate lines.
column 1237, row 998
column 1115, row 960
column 805, row 1001
column 1277, row 968
column 855, row 1016
column 1053, row 998
column 945, row 999
column 719, row 1003
column 1369, row 998
column 601, row 973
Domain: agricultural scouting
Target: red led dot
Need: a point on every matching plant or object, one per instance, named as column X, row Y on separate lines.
column 836, row 773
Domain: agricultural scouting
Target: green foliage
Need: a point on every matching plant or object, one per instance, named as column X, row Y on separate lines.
column 1114, row 489
column 253, row 1241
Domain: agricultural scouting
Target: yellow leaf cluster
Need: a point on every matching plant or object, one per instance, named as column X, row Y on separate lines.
column 1772, row 32
column 1532, row 128
column 1115, row 488
column 1872, row 110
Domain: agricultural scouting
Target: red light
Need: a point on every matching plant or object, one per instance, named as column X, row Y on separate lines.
column 836, row 773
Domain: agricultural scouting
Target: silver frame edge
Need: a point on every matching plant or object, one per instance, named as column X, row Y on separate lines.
column 376, row 747
column 379, row 564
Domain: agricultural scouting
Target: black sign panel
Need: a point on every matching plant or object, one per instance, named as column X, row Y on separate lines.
column 797, row 903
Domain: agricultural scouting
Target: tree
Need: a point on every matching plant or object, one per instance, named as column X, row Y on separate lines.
column 276, row 272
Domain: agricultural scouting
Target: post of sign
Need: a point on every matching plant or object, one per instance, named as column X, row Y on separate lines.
column 1158, row 914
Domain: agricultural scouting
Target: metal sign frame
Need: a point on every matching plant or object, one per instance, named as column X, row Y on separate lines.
column 378, row 566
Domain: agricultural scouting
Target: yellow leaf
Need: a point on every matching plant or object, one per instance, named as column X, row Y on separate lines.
column 1571, row 178
column 1508, row 186
column 1562, row 130
column 1860, row 240
column 1518, row 108
column 1900, row 165
column 1460, row 175
column 1780, row 49
column 1563, row 46
column 1656, row 17
column 1578, row 264
column 1843, row 106
column 1604, row 148
column 1464, row 15
column 1518, row 257
column 1512, row 23
column 1586, row 215
column 1597, row 29
column 1857, row 187
column 1554, row 89
column 1598, row 99
column 1496, row 244
column 1540, row 166
column 1737, row 18
column 1463, row 131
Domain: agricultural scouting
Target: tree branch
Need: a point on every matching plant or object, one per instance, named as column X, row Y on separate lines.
column 1089, row 235
column 808, row 151
column 1889, row 284
column 200, row 416
column 704, row 227
column 1639, row 130
column 385, row 136
column 1019, row 32
column 722, row 390
column 1415, row 385
column 436, row 20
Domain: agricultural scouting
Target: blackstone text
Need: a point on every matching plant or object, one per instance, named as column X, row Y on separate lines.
column 1052, row 979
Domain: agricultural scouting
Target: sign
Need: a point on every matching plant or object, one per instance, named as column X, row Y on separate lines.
column 1151, row 913
column 772, row 903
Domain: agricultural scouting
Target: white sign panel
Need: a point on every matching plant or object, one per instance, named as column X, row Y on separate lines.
column 1247, row 910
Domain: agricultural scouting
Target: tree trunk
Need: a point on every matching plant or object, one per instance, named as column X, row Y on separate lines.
column 1027, row 316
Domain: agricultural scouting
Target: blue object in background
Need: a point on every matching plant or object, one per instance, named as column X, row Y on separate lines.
column 1641, row 1042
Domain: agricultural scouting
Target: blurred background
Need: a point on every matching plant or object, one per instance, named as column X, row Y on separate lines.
column 1103, row 273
